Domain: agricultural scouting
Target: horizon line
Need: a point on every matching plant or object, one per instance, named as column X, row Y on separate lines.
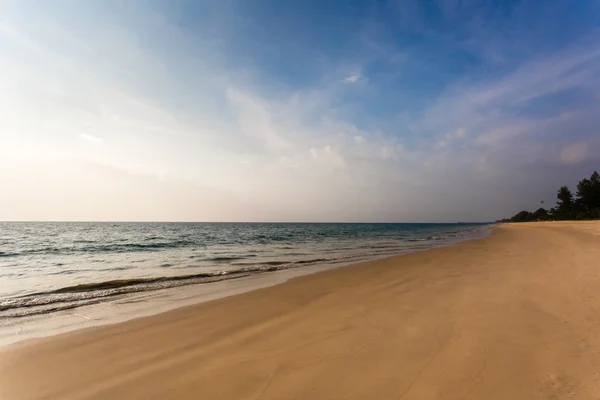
column 239, row 222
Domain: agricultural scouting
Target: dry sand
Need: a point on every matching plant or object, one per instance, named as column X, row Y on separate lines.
column 512, row 316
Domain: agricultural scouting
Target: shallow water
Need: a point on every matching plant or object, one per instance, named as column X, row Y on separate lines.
column 52, row 267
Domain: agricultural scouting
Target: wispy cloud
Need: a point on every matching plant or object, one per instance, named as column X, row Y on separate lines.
column 255, row 120
column 452, row 124
column 541, row 102
column 352, row 79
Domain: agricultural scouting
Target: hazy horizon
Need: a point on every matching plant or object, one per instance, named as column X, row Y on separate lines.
column 267, row 111
column 246, row 222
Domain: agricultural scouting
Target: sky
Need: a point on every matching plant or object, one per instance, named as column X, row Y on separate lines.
column 363, row 111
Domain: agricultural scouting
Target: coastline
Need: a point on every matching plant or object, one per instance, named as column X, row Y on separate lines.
column 513, row 315
column 145, row 303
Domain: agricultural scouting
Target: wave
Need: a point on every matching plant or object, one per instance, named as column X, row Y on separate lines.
column 231, row 266
column 65, row 272
column 81, row 294
column 123, row 268
column 227, row 258
column 110, row 248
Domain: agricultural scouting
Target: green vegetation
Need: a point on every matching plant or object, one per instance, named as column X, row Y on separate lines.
column 584, row 205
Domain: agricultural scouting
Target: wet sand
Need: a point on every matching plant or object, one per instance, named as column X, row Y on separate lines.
column 512, row 316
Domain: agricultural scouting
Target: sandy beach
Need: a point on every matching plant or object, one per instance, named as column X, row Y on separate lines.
column 513, row 316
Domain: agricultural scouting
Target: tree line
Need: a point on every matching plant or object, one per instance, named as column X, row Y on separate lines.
column 585, row 204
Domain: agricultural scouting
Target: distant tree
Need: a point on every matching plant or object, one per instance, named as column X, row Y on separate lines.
column 525, row 216
column 522, row 216
column 540, row 215
column 565, row 203
column 595, row 203
column 585, row 206
column 588, row 197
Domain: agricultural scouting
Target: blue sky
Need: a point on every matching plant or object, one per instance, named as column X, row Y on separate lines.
column 295, row 110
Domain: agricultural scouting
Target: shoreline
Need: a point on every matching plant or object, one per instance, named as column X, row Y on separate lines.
column 131, row 306
column 513, row 315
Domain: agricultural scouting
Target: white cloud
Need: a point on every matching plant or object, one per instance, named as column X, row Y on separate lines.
column 328, row 156
column 486, row 107
column 90, row 138
column 241, row 140
column 281, row 154
column 574, row 153
column 255, row 120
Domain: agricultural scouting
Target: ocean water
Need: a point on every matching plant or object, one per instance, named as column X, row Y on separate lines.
column 53, row 267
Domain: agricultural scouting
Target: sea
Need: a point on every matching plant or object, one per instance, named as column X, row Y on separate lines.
column 52, row 269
